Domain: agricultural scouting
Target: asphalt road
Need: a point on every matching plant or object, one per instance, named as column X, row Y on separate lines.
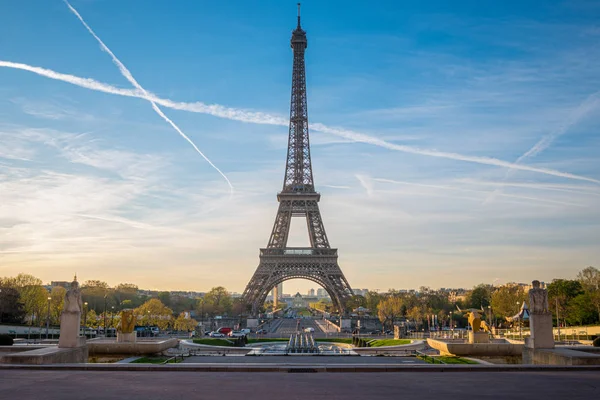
column 61, row 385
column 308, row 359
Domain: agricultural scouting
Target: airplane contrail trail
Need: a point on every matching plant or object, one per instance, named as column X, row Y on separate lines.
column 582, row 109
column 125, row 72
column 269, row 119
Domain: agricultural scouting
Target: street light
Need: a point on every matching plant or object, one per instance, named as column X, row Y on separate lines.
column 48, row 317
column 84, row 317
column 105, row 314
column 490, row 314
column 112, row 317
column 519, row 319
column 451, row 322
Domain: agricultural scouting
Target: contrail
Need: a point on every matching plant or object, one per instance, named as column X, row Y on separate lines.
column 445, row 187
column 582, row 109
column 269, row 119
column 125, row 72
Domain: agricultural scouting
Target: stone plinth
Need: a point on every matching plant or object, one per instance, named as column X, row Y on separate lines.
column 104, row 346
column 69, row 330
column 48, row 355
column 130, row 337
column 499, row 348
column 478, row 337
column 541, row 337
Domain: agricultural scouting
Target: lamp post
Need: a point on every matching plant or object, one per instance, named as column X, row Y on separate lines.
column 490, row 315
column 48, row 318
column 557, row 320
column 84, row 317
column 519, row 317
column 112, row 317
column 451, row 322
column 105, row 314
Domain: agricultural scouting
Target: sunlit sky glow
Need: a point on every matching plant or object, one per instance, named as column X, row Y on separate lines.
column 452, row 144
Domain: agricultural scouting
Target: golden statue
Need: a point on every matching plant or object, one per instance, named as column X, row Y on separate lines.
column 128, row 320
column 474, row 319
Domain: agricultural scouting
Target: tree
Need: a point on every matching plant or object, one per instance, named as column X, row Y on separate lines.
column 11, row 308
column 372, row 300
column 356, row 301
column 217, row 301
column 185, row 323
column 154, row 313
column 504, row 301
column 57, row 302
column 561, row 292
column 480, row 296
column 581, row 310
column 32, row 295
column 389, row 310
column 165, row 298
column 590, row 281
column 127, row 292
column 93, row 291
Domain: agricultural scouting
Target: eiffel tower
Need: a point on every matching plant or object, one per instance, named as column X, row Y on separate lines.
column 278, row 262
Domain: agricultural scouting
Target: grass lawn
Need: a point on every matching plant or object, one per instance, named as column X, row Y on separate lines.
column 455, row 360
column 155, row 360
column 267, row 340
column 335, row 340
column 388, row 342
column 448, row 360
column 214, row 342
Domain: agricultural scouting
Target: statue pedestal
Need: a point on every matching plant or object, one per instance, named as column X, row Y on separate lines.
column 540, row 326
column 126, row 337
column 478, row 337
column 69, row 330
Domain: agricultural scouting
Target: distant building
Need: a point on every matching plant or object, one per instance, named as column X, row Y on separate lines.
column 311, row 292
column 64, row 284
column 299, row 301
column 322, row 293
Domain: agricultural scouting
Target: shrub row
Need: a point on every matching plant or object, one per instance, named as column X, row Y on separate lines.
column 360, row 342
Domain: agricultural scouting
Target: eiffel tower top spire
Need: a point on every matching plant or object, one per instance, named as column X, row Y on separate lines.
column 298, row 169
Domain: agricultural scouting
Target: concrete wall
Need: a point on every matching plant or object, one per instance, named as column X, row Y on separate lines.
column 559, row 356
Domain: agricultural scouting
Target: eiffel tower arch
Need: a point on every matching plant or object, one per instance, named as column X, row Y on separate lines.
column 298, row 198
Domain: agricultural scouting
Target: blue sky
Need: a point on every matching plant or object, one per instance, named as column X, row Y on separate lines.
column 453, row 144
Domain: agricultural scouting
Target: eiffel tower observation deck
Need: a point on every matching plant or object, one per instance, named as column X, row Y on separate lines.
column 298, row 198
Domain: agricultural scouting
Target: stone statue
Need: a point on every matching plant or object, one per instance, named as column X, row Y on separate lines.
column 538, row 299
column 73, row 301
column 70, row 318
column 540, row 323
column 127, row 323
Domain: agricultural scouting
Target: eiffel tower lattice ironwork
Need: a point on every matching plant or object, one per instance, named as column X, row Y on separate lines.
column 298, row 198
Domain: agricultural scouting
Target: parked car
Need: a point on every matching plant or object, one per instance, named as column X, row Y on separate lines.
column 236, row 334
column 261, row 331
column 376, row 332
column 309, row 329
column 224, row 330
column 216, row 334
column 245, row 331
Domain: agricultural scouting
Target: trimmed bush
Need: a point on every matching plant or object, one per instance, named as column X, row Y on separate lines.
column 6, row 340
column 596, row 342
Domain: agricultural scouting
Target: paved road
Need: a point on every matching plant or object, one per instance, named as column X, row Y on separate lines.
column 308, row 359
column 291, row 325
column 61, row 385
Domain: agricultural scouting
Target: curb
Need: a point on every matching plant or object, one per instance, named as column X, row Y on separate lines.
column 300, row 368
